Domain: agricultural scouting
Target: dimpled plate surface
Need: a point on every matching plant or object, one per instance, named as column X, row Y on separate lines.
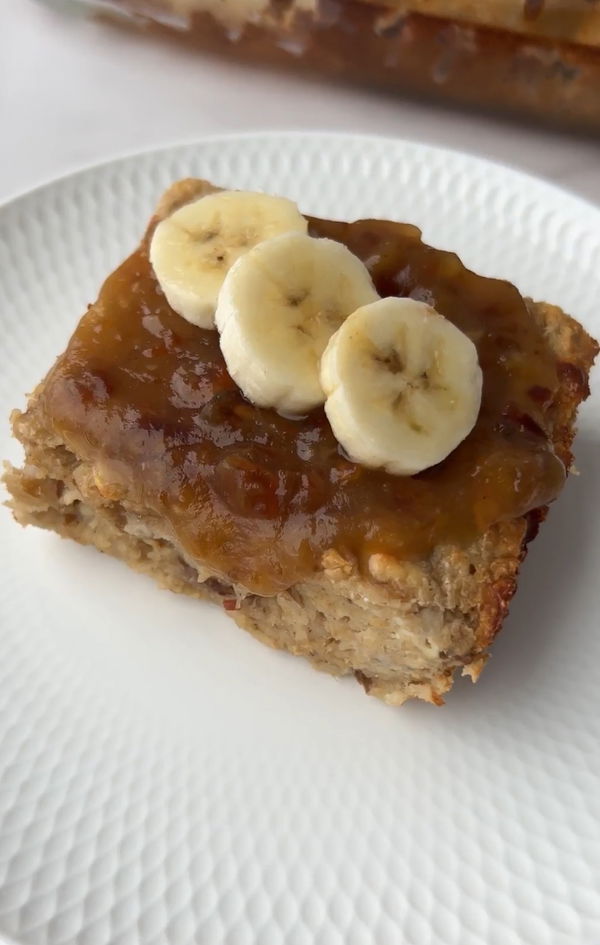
column 166, row 779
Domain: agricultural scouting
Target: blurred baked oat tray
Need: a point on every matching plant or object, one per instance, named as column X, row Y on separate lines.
column 534, row 58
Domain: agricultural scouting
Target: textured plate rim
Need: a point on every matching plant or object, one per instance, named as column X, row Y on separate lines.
column 553, row 190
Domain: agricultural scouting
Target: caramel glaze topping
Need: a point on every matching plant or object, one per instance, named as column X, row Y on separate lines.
column 258, row 497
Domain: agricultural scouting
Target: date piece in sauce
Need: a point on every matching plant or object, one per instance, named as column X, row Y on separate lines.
column 146, row 397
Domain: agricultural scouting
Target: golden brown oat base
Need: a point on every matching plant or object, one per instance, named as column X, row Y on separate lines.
column 402, row 631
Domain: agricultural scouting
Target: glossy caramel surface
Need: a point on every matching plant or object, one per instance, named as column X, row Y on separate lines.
column 258, row 497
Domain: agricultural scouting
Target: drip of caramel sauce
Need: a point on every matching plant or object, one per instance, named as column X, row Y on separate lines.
column 258, row 497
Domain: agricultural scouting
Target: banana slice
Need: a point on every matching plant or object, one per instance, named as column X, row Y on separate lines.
column 403, row 386
column 192, row 250
column 279, row 306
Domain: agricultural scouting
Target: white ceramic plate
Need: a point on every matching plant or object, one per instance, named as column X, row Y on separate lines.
column 166, row 779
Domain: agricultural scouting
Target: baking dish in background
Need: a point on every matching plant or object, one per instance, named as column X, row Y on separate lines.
column 534, row 58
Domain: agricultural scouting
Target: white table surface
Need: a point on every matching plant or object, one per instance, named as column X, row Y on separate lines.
column 75, row 92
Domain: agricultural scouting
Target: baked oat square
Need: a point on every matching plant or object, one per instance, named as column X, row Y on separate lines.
column 139, row 442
